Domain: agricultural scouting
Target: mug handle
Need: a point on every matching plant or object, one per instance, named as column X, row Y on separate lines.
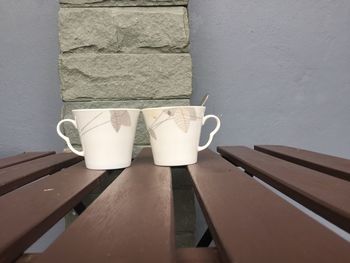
column 58, row 129
column 211, row 136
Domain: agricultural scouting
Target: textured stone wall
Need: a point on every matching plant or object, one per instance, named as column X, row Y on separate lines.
column 91, row 76
column 79, row 3
column 123, row 53
column 127, row 30
column 128, row 53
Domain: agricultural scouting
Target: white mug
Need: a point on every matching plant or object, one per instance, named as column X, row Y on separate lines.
column 175, row 133
column 107, row 136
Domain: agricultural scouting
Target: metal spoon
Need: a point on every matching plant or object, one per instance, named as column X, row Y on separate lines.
column 204, row 99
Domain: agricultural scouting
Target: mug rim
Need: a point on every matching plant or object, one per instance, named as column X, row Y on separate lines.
column 172, row 107
column 105, row 109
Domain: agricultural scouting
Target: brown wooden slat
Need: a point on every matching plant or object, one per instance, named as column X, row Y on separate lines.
column 15, row 176
column 131, row 221
column 183, row 255
column 197, row 255
column 28, row 258
column 325, row 195
column 28, row 212
column 250, row 223
column 21, row 158
column 336, row 166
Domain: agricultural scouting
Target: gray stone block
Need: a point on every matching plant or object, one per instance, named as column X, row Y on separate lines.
column 90, row 76
column 141, row 137
column 181, row 178
column 184, row 239
column 126, row 30
column 70, row 218
column 77, row 3
column 138, row 148
column 185, row 216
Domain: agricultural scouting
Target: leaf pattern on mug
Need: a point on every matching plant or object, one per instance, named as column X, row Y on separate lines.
column 120, row 118
column 170, row 112
column 183, row 117
column 152, row 133
column 87, row 126
column 192, row 113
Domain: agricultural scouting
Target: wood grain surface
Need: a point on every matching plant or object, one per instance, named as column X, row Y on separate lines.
column 326, row 195
column 18, row 175
column 131, row 221
column 250, row 223
column 28, row 212
column 332, row 165
column 21, row 158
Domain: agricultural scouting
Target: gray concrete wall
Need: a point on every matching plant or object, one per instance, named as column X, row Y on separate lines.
column 277, row 71
column 29, row 86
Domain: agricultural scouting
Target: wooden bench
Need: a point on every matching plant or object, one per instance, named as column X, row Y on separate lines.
column 326, row 195
column 335, row 166
column 133, row 219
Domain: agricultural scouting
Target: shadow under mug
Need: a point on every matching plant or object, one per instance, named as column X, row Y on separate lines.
column 175, row 133
column 107, row 136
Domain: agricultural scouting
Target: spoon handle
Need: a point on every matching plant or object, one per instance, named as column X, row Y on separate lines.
column 204, row 100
